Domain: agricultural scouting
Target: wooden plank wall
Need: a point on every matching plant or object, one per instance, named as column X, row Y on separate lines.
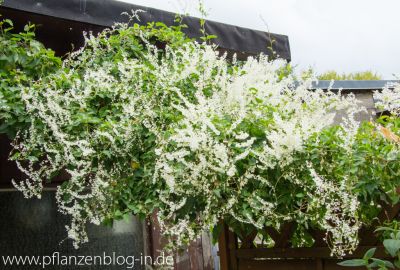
column 197, row 256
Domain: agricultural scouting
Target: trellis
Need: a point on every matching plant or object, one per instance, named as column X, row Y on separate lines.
column 245, row 252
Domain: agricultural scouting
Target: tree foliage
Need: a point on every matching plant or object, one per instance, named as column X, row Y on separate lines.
column 357, row 76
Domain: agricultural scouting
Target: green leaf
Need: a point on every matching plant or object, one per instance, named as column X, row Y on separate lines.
column 9, row 21
column 392, row 246
column 216, row 231
column 354, row 262
column 133, row 207
column 126, row 216
column 384, row 229
column 397, row 263
column 118, row 214
column 368, row 255
column 108, row 222
column 380, row 263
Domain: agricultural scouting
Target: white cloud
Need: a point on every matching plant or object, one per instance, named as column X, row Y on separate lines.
column 344, row 35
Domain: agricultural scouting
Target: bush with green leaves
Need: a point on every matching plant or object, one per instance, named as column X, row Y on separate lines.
column 380, row 176
column 22, row 60
column 143, row 118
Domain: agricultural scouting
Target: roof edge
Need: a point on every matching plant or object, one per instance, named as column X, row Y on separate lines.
column 353, row 84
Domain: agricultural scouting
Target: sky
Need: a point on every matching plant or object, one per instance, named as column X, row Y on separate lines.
column 341, row 35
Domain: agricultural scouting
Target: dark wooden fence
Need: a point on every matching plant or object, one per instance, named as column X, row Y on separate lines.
column 246, row 252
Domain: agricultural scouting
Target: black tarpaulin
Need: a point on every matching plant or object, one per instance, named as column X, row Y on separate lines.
column 95, row 14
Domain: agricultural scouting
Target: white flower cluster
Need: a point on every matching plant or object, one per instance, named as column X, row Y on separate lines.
column 389, row 99
column 87, row 156
column 254, row 119
column 215, row 127
column 340, row 219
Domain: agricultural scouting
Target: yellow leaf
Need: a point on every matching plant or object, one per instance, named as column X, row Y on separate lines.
column 388, row 134
column 135, row 165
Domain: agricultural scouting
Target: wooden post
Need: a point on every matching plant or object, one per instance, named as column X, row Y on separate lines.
column 233, row 246
column 227, row 249
column 320, row 264
column 208, row 258
column 195, row 251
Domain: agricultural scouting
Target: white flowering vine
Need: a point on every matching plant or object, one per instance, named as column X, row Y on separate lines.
column 187, row 132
